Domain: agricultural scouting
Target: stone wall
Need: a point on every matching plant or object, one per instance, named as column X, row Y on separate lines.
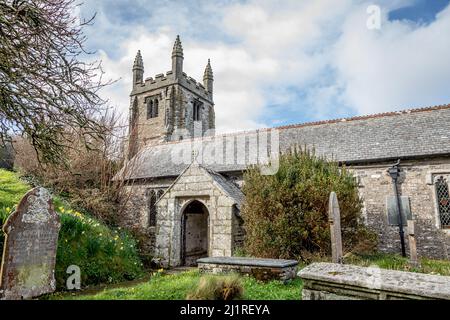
column 330, row 281
column 375, row 185
column 238, row 232
column 136, row 215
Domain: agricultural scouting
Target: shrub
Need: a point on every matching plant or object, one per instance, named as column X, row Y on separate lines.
column 104, row 255
column 213, row 287
column 286, row 214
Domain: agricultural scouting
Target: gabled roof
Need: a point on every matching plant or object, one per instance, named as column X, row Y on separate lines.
column 226, row 186
column 405, row 134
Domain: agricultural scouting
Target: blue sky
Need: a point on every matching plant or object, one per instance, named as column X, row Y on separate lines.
column 420, row 11
column 286, row 62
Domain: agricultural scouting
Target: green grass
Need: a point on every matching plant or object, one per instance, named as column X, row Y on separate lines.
column 177, row 287
column 104, row 254
column 12, row 189
column 397, row 262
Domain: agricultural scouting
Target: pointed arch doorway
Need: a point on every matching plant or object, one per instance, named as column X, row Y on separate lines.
column 194, row 233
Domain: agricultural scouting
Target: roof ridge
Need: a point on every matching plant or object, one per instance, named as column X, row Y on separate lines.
column 314, row 123
column 367, row 116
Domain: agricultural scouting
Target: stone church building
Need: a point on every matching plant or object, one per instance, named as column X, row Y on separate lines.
column 183, row 183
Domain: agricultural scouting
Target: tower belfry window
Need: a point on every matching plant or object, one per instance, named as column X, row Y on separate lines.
column 149, row 109
column 155, row 108
column 197, row 107
column 152, row 108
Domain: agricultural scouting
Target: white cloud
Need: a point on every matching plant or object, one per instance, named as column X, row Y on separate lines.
column 265, row 50
column 401, row 66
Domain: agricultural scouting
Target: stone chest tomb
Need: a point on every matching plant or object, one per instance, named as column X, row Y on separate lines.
column 29, row 253
column 332, row 281
column 261, row 269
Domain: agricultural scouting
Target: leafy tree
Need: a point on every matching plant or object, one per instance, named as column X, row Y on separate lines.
column 46, row 91
column 286, row 214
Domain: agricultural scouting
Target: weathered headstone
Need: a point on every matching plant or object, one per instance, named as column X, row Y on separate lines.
column 29, row 254
column 412, row 244
column 334, row 218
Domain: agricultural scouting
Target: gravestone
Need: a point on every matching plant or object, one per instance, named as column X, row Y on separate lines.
column 334, row 218
column 29, row 254
column 412, row 244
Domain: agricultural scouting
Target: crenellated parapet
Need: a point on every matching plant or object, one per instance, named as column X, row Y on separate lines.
column 161, row 81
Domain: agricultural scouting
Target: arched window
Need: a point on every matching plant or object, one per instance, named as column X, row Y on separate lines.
column 197, row 107
column 152, row 208
column 149, row 109
column 443, row 198
column 155, row 108
column 152, row 108
column 153, row 195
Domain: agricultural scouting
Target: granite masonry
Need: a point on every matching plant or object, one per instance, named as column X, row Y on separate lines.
column 330, row 281
column 260, row 269
column 163, row 187
column 171, row 106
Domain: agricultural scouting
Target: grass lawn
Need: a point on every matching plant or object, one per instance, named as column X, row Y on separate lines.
column 12, row 189
column 397, row 262
column 177, row 286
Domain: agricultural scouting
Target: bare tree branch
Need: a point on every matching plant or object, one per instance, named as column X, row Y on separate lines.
column 47, row 93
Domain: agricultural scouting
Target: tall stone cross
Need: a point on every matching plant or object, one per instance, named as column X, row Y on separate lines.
column 334, row 218
column 413, row 260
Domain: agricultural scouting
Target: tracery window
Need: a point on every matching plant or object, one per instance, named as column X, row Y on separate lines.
column 197, row 107
column 152, row 108
column 443, row 201
column 155, row 108
column 153, row 195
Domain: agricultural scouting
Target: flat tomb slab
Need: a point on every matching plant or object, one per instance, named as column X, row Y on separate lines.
column 323, row 281
column 261, row 269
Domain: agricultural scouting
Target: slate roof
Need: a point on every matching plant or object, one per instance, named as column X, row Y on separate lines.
column 228, row 187
column 388, row 136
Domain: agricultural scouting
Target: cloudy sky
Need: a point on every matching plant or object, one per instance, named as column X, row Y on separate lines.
column 283, row 62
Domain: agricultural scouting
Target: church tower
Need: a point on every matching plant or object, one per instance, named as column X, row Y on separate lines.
column 171, row 106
